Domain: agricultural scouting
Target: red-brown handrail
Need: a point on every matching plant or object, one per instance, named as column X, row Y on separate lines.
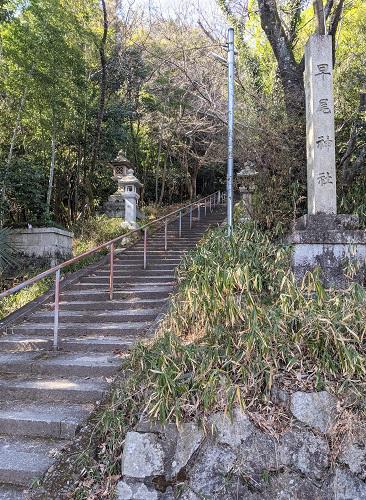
column 213, row 200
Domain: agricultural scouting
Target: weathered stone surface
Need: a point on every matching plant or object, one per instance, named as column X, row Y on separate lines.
column 346, row 486
column 135, row 491
column 168, row 494
column 232, row 431
column 320, row 138
column 327, row 222
column 291, row 486
column 43, row 242
column 254, row 449
column 209, row 475
column 239, row 461
column 143, row 455
column 353, row 453
column 189, row 439
column 235, row 491
column 316, row 409
column 305, row 452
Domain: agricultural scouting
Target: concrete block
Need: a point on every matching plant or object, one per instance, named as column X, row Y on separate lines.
column 43, row 242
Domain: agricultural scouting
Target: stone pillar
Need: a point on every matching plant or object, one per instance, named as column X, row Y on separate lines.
column 320, row 140
column 322, row 238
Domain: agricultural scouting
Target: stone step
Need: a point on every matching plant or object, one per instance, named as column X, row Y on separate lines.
column 160, row 246
column 136, row 271
column 161, row 257
column 52, row 389
column 156, row 253
column 59, row 364
column 103, row 295
column 67, row 329
column 23, row 459
column 173, row 239
column 157, row 262
column 136, row 267
column 128, row 278
column 120, row 284
column 45, row 420
column 101, row 316
column 110, row 305
column 46, row 395
column 86, row 343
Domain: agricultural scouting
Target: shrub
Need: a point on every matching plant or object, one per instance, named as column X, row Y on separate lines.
column 94, row 231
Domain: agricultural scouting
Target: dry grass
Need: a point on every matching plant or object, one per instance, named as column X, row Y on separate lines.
column 238, row 323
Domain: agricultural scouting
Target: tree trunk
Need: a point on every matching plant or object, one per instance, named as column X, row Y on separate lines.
column 52, row 172
column 290, row 73
column 157, row 169
column 10, row 154
column 103, row 87
column 163, row 181
column 193, row 179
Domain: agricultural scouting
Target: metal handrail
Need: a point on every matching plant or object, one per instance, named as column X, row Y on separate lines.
column 213, row 200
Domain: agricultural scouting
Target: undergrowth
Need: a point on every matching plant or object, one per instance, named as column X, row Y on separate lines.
column 88, row 234
column 238, row 323
column 94, row 231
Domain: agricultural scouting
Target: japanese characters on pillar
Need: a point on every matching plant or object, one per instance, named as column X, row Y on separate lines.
column 321, row 174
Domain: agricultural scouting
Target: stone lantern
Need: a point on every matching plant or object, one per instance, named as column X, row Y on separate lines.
column 124, row 202
column 130, row 186
column 246, row 178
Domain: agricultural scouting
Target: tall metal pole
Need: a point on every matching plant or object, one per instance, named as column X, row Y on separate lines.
column 230, row 138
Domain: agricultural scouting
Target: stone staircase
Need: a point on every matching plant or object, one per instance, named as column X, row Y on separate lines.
column 44, row 395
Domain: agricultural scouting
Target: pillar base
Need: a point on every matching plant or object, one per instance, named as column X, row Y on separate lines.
column 334, row 244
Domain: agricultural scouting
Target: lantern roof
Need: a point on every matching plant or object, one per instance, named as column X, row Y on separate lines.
column 121, row 160
column 130, row 178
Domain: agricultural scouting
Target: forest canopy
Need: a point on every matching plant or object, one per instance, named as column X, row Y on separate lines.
column 82, row 79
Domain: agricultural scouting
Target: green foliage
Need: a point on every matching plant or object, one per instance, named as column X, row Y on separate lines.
column 16, row 301
column 354, row 200
column 94, row 231
column 6, row 250
column 25, row 199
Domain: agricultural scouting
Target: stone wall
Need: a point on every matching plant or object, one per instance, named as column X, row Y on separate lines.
column 235, row 459
column 49, row 242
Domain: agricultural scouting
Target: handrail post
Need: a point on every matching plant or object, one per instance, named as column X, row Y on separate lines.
column 210, row 203
column 180, row 223
column 219, row 197
column 205, row 207
column 111, row 272
column 190, row 217
column 199, row 211
column 166, row 235
column 145, row 247
column 56, row 310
